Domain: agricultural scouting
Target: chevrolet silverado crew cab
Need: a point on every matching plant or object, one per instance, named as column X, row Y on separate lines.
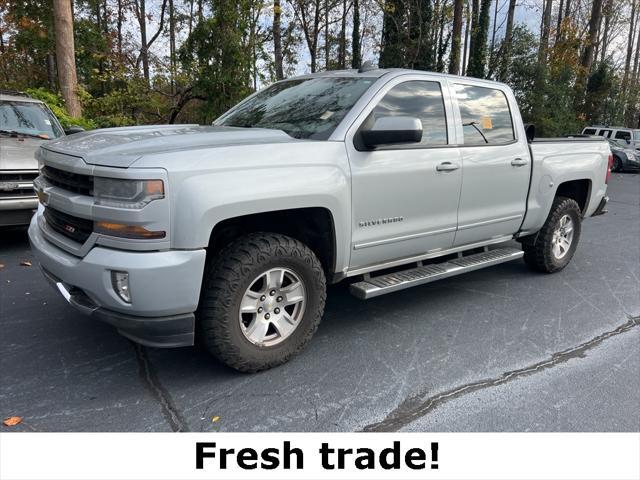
column 231, row 232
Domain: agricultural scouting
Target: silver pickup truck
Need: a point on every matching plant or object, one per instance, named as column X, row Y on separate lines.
column 230, row 233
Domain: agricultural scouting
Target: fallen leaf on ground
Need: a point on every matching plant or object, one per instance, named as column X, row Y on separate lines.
column 215, row 419
column 25, row 263
column 11, row 421
column 1, row 266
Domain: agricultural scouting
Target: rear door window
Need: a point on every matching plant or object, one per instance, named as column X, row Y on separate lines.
column 486, row 118
column 605, row 133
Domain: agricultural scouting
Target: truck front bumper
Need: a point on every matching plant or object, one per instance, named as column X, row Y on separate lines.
column 164, row 288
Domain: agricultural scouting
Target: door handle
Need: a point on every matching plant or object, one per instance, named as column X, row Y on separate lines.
column 447, row 167
column 519, row 162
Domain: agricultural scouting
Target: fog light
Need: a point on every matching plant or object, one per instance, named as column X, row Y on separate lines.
column 120, row 282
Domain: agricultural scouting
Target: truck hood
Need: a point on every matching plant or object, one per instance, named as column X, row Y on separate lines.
column 121, row 147
column 19, row 153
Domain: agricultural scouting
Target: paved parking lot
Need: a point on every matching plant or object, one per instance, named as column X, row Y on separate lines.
column 502, row 349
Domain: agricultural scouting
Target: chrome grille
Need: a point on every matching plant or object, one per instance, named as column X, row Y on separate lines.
column 17, row 184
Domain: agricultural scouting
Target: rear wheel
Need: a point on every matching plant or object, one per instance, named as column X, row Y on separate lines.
column 262, row 300
column 558, row 239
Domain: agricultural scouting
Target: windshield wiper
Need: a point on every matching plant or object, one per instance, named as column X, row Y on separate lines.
column 24, row 134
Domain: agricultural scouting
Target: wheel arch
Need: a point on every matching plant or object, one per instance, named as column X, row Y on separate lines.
column 578, row 190
column 313, row 226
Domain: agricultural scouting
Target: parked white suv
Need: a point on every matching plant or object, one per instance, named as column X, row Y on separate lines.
column 625, row 137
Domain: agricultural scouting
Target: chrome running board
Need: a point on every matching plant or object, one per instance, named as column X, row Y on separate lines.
column 375, row 286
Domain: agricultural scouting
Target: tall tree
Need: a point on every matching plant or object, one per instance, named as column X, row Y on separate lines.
column 507, row 42
column 342, row 43
column 277, row 39
column 630, row 42
column 392, row 52
column 422, row 34
column 467, row 34
column 479, row 34
column 140, row 9
column 545, row 29
column 65, row 55
column 586, row 60
column 454, row 59
column 355, row 36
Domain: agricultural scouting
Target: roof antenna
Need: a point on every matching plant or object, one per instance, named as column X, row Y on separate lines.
column 367, row 66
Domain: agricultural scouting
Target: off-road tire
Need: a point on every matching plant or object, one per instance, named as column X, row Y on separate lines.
column 539, row 254
column 226, row 278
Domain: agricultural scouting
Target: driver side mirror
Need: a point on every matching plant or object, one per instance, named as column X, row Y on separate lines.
column 392, row 130
column 73, row 129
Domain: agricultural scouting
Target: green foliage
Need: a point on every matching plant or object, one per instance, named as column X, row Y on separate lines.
column 218, row 57
column 56, row 104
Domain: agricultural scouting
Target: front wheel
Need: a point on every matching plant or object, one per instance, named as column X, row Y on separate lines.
column 558, row 239
column 262, row 300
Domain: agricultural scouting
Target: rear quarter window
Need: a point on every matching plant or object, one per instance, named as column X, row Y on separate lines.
column 589, row 131
column 485, row 114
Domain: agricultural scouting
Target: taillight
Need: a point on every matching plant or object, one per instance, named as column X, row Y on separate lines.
column 609, row 167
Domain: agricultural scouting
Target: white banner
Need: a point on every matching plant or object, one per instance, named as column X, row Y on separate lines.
column 160, row 456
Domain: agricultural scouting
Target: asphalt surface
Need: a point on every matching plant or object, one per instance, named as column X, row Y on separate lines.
column 501, row 349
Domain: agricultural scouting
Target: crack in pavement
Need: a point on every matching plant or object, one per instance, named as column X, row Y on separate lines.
column 416, row 406
column 152, row 383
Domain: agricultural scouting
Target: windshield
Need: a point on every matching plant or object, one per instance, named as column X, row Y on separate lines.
column 28, row 118
column 306, row 108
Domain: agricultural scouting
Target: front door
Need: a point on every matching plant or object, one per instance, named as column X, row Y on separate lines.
column 405, row 197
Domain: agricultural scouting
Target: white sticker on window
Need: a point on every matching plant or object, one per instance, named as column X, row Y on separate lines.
column 48, row 122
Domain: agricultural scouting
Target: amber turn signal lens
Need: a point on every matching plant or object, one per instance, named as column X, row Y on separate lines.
column 154, row 187
column 126, row 231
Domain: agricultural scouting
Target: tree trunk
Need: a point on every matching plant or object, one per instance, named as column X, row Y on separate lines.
column 506, row 52
column 475, row 15
column 355, row 36
column 454, row 61
column 594, row 22
column 172, row 47
column 277, row 39
column 327, row 45
column 467, row 33
column 119, row 27
column 478, row 54
column 544, row 32
column 342, row 47
column 559, row 21
column 630, row 41
column 51, row 71
column 392, row 52
column 65, row 55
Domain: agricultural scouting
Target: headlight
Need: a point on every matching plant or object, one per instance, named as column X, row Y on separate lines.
column 135, row 194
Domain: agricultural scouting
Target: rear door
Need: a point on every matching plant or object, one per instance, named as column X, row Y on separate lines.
column 496, row 162
column 404, row 201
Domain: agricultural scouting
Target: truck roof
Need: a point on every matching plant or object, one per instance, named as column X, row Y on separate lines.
column 379, row 72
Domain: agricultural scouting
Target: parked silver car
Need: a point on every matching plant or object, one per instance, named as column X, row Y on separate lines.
column 25, row 124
